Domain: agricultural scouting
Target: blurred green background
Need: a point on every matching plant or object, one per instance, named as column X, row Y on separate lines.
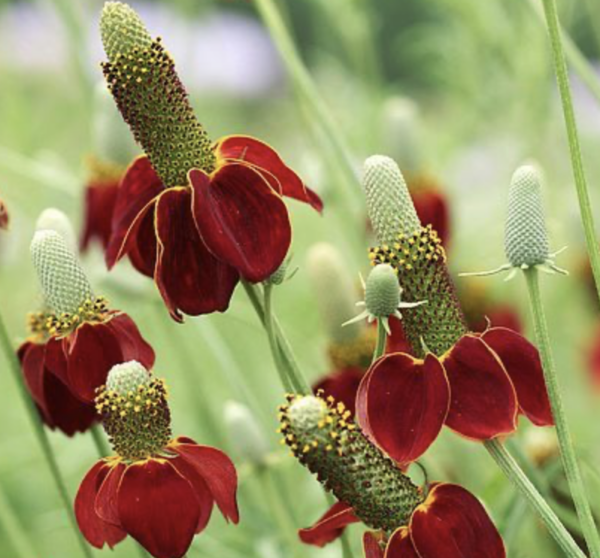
column 478, row 77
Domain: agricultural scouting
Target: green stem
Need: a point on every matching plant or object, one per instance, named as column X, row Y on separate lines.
column 567, row 451
column 381, row 339
column 514, row 473
column 286, row 380
column 13, row 529
column 585, row 208
column 100, row 441
column 41, row 435
column 346, row 548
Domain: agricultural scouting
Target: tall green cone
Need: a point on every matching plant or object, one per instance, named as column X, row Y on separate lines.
column 142, row 79
column 55, row 220
column 325, row 439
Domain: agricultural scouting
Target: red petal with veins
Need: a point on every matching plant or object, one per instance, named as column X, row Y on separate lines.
column 330, row 526
column 371, row 546
column 400, row 545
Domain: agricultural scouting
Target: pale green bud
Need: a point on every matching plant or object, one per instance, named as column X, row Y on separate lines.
column 127, row 377
column 382, row 292
column 245, row 433
column 55, row 220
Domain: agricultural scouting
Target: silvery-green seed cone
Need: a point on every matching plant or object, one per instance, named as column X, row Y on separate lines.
column 63, row 281
column 55, row 220
column 526, row 237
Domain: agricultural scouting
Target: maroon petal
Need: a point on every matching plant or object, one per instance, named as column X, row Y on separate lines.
column 140, row 185
column 522, row 362
column 330, row 526
column 432, row 208
column 158, row 508
column 452, row 523
column 402, row 403
column 107, row 498
column 32, row 358
column 141, row 244
column 133, row 345
column 266, row 160
column 56, row 358
column 190, row 279
column 371, row 546
column 397, row 342
column 242, row 220
column 483, row 399
column 99, row 204
column 96, row 531
column 400, row 545
column 216, row 469
column 342, row 385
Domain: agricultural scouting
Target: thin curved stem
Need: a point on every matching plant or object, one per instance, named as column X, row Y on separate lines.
column 585, row 207
column 41, row 435
column 515, row 474
column 381, row 339
column 100, row 441
column 13, row 529
column 567, row 451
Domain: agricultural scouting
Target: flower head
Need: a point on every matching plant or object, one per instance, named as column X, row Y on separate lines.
column 193, row 214
column 158, row 490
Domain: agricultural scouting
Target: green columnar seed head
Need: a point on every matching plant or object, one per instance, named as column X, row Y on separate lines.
column 151, row 98
column 135, row 413
column 335, row 292
column 382, row 292
column 55, row 220
column 245, row 433
column 526, row 237
column 389, row 204
column 64, row 283
column 325, row 439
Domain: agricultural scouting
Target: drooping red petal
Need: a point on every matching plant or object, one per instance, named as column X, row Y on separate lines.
column 371, row 546
column 56, row 358
column 483, row 399
column 432, row 208
column 242, row 220
column 342, row 385
column 99, row 205
column 452, row 523
column 216, row 469
column 107, row 498
column 330, row 526
column 158, row 508
column 190, row 279
column 93, row 351
column 400, row 545
column 133, row 345
column 32, row 358
column 203, row 493
column 139, row 186
column 397, row 342
column 265, row 159
column 522, row 362
column 402, row 403
column 140, row 244
column 96, row 531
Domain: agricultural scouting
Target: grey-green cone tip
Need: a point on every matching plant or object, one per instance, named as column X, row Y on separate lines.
column 389, row 204
column 55, row 220
column 122, row 30
column 63, row 281
column 526, row 237
column 305, row 413
column 126, row 377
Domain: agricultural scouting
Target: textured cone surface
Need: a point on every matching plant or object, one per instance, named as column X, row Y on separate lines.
column 420, row 261
column 55, row 220
column 63, row 281
column 382, row 293
column 325, row 439
column 389, row 204
column 526, row 237
column 135, row 413
column 151, row 98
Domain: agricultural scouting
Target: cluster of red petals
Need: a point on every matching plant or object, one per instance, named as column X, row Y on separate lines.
column 478, row 389
column 62, row 374
column 161, row 502
column 99, row 205
column 451, row 523
column 196, row 240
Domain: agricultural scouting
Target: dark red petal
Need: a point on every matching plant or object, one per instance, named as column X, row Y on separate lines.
column 133, row 345
column 158, row 508
column 32, row 357
column 400, row 545
column 402, row 404
column 371, row 546
column 216, row 469
column 93, row 351
column 107, row 498
column 203, row 493
column 265, row 159
column 138, row 187
column 483, row 399
column 99, row 205
column 522, row 362
column 96, row 531
column 452, row 523
column 397, row 342
column 242, row 220
column 432, row 208
column 56, row 358
column 141, row 244
column 342, row 385
column 330, row 526
column 189, row 277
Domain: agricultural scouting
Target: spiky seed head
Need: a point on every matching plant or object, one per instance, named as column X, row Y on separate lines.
column 245, row 433
column 305, row 413
column 389, row 204
column 122, row 30
column 526, row 236
column 126, row 377
column 382, row 292
column 55, row 220
column 64, row 283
